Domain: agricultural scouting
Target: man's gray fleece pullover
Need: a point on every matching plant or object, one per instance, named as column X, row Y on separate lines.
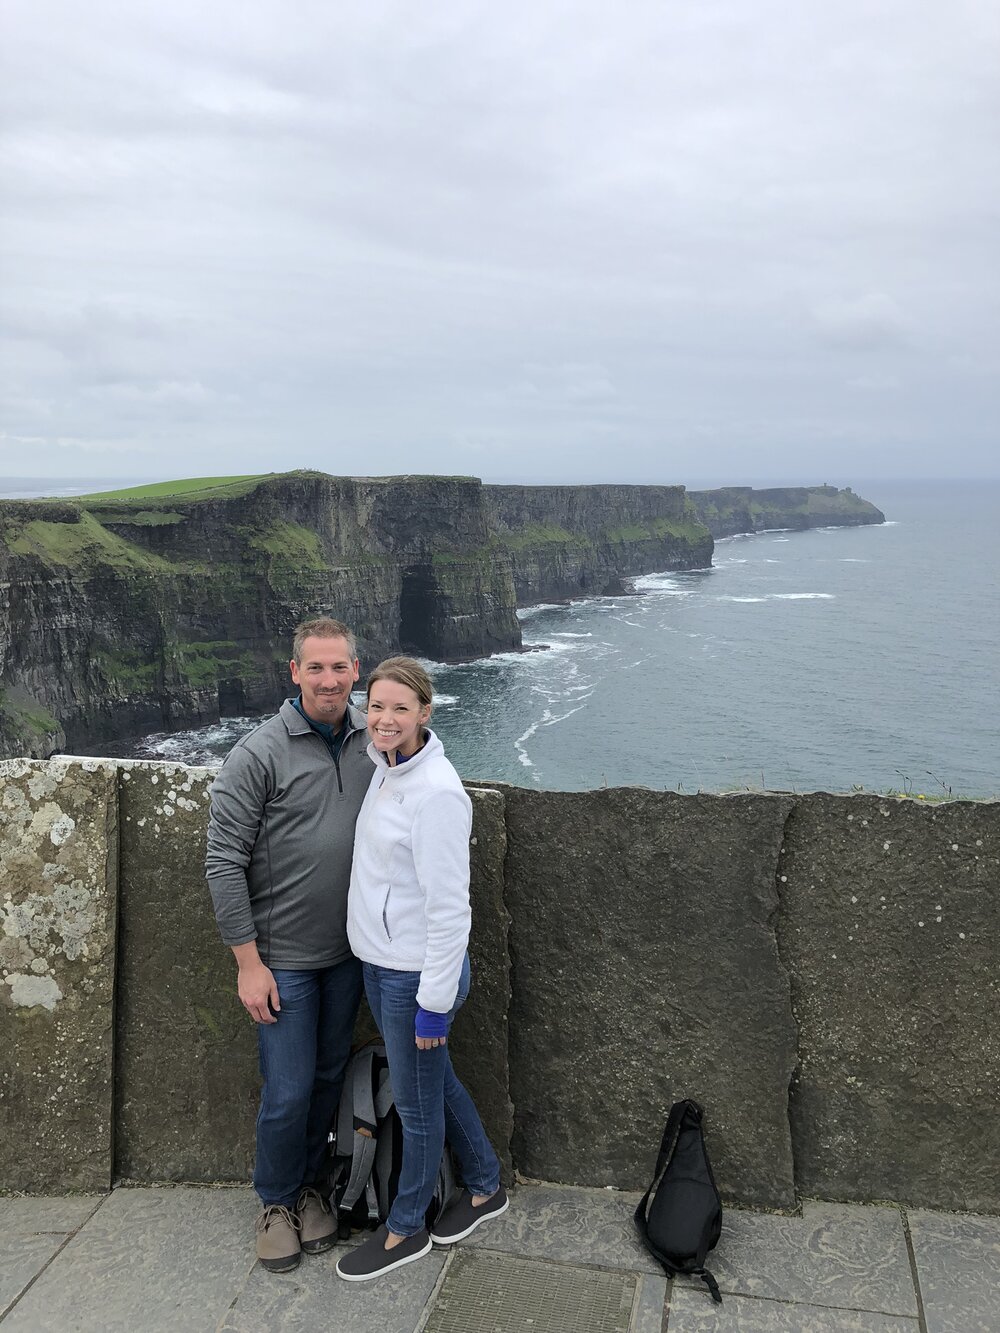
column 280, row 839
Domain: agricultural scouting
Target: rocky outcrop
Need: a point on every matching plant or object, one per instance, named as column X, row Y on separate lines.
column 738, row 509
column 158, row 611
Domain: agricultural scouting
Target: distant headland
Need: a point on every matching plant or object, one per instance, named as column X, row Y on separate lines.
column 171, row 605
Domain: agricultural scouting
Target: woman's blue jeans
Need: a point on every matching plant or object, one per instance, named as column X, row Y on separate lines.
column 431, row 1102
column 302, row 1060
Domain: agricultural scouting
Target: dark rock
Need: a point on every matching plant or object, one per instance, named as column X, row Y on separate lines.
column 582, row 541
column 58, row 905
column 646, row 969
column 889, row 924
column 731, row 510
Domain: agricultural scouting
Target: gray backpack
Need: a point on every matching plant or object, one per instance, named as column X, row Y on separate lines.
column 366, row 1143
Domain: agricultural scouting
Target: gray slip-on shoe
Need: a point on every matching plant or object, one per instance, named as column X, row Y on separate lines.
column 318, row 1226
column 372, row 1259
column 462, row 1218
column 278, row 1246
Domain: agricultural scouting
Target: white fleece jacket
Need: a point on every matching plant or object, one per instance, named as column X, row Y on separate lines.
column 408, row 906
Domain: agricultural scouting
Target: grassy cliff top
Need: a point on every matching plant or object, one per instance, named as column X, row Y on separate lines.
column 223, row 488
column 191, row 488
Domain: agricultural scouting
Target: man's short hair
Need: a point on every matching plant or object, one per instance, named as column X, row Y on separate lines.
column 323, row 627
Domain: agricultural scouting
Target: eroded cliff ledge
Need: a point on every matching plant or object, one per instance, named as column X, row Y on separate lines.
column 156, row 610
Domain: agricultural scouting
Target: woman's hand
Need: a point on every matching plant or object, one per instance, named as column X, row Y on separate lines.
column 431, row 1029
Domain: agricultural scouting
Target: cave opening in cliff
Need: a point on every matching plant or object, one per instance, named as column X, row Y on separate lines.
column 417, row 610
column 232, row 700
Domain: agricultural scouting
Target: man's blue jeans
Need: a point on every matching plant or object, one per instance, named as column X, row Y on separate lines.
column 429, row 1098
column 302, row 1061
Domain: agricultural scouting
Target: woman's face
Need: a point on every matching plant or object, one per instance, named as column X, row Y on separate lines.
column 396, row 717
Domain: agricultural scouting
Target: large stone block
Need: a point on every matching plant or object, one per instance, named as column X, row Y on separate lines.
column 890, row 926
column 187, row 1053
column 480, row 1033
column 58, row 842
column 646, row 969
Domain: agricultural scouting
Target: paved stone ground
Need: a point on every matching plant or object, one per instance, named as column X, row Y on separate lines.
column 562, row 1260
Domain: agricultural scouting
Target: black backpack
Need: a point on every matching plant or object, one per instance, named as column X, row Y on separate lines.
column 680, row 1216
column 367, row 1148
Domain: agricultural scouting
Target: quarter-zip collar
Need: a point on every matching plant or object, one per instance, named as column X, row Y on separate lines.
column 298, row 725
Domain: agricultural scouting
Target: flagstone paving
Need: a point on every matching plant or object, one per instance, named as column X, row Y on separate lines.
column 180, row 1258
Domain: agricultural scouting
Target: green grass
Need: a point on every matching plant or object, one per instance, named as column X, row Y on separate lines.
column 538, row 534
column 289, row 546
column 143, row 518
column 25, row 716
column 189, row 487
column 131, row 670
column 684, row 529
column 82, row 545
column 203, row 663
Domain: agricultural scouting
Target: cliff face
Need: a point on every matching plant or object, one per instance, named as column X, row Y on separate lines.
column 575, row 541
column 737, row 509
column 118, row 617
column 153, row 612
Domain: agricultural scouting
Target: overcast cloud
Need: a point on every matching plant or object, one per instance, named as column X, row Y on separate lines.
column 534, row 241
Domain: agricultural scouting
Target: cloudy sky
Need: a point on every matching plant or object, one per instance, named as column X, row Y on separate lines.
column 533, row 241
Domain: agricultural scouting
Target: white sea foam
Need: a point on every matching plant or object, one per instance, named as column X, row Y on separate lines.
column 204, row 745
column 568, row 634
column 801, row 596
column 445, row 700
column 660, row 583
column 546, row 720
column 741, row 599
column 525, row 612
column 539, row 646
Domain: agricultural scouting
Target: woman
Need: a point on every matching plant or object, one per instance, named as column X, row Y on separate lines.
column 408, row 921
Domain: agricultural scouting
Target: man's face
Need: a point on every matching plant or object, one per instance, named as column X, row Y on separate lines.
column 326, row 676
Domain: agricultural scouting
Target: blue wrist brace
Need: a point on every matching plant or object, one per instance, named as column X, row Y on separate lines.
column 429, row 1024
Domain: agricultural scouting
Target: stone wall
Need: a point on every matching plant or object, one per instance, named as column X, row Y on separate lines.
column 820, row 971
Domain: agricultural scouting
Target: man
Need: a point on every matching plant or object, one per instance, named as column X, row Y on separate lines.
column 280, row 839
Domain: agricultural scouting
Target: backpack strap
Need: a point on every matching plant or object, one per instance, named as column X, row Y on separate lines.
column 359, row 1103
column 383, row 1098
column 670, row 1133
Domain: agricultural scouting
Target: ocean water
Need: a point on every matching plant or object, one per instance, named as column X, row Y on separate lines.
column 29, row 488
column 819, row 660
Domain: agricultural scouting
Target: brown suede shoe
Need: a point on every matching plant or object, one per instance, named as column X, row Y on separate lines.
column 317, row 1224
column 278, row 1246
